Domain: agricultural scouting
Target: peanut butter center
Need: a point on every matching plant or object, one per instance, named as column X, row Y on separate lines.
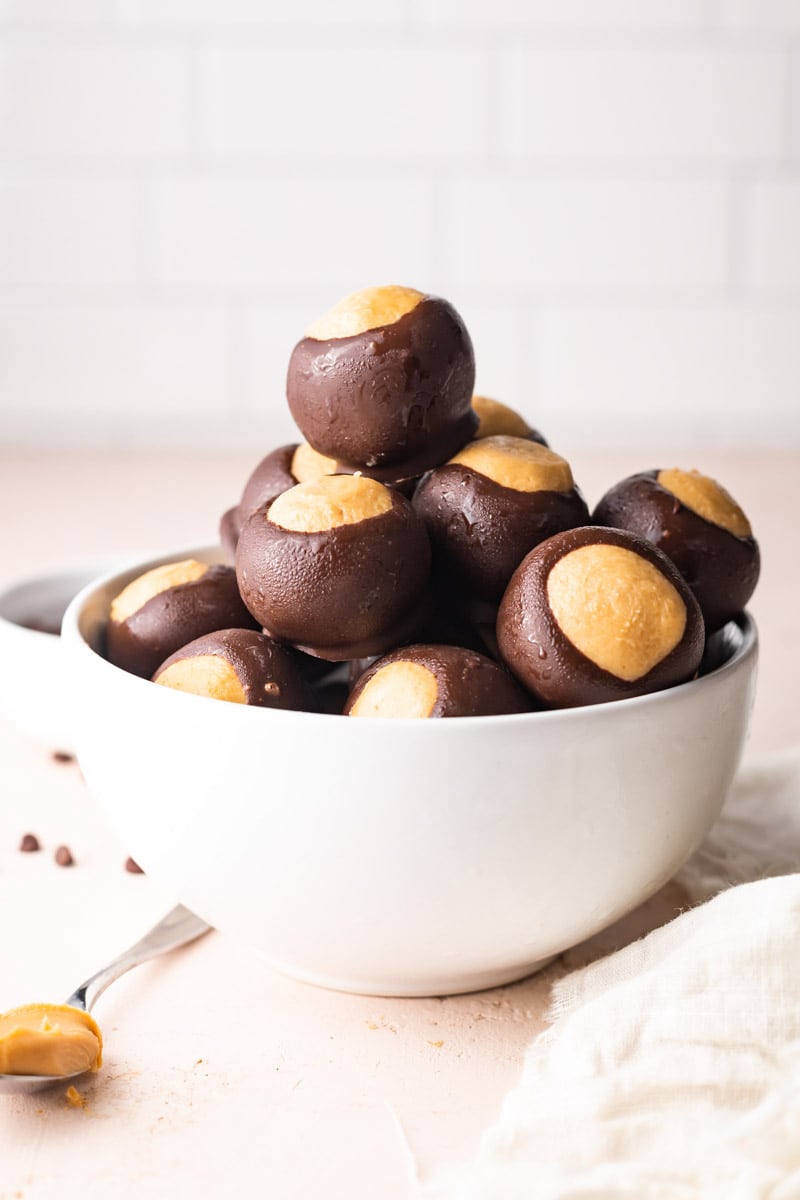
column 308, row 464
column 495, row 418
column 400, row 689
column 616, row 608
column 707, row 498
column 49, row 1039
column 329, row 502
column 361, row 311
column 517, row 464
column 204, row 675
column 139, row 591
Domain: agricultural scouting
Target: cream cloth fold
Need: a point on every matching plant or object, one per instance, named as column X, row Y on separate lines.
column 671, row 1068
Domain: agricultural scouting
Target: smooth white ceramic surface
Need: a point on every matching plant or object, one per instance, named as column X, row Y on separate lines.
column 34, row 695
column 405, row 857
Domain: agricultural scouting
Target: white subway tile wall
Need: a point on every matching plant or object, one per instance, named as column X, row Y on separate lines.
column 608, row 190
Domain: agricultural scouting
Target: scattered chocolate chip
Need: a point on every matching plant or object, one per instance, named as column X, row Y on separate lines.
column 64, row 857
column 61, row 756
column 29, row 843
column 132, row 866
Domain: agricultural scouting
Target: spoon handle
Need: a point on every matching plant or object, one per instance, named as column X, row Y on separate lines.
column 176, row 929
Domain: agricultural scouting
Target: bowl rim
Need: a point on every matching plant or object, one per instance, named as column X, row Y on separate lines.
column 742, row 658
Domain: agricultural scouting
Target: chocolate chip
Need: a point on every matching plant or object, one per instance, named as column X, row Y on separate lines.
column 63, row 856
column 132, row 866
column 29, row 843
column 61, row 756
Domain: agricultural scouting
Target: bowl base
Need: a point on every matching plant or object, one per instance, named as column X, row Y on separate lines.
column 434, row 985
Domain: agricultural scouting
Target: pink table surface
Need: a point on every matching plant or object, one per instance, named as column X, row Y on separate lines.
column 221, row 1074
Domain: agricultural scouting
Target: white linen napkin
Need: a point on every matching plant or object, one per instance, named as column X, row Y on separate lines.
column 671, row 1068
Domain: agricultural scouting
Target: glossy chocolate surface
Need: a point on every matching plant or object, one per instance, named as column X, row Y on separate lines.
column 341, row 593
column 393, row 477
column 268, row 480
column 721, row 569
column 230, row 526
column 268, row 673
column 445, row 626
column 468, row 684
column 480, row 531
column 398, row 395
column 174, row 617
column 538, row 653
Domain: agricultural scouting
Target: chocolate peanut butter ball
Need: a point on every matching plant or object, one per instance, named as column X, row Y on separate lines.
column 337, row 567
column 496, row 419
column 238, row 665
column 598, row 614
column 167, row 607
column 280, row 470
column 699, row 525
column 492, row 503
column 383, row 382
column 435, row 681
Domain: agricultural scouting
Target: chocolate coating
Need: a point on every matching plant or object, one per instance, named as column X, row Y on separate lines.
column 446, row 626
column 268, row 672
column 340, row 593
column 480, row 531
column 174, row 617
column 268, row 480
column 397, row 395
column 468, row 684
column 536, row 650
column 721, row 569
column 273, row 476
column 230, row 526
column 397, row 477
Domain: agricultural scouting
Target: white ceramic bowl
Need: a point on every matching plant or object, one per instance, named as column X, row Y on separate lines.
column 34, row 695
column 405, row 857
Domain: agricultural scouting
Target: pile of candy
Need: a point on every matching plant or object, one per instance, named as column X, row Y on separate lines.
column 432, row 541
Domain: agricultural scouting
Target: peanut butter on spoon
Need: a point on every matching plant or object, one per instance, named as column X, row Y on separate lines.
column 43, row 1044
column 49, row 1039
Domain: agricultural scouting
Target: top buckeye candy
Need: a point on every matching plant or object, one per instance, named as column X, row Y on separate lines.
column 384, row 380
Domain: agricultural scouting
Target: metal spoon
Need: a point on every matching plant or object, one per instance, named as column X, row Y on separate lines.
column 177, row 928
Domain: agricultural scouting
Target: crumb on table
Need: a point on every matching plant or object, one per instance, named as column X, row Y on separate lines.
column 75, row 1098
